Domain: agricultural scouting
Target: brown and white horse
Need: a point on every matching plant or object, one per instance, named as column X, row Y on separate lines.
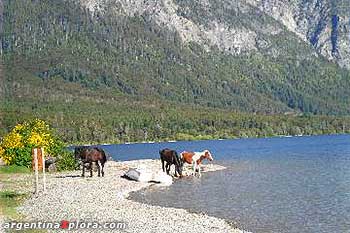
column 196, row 158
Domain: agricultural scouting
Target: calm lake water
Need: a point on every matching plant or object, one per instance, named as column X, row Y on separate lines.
column 297, row 184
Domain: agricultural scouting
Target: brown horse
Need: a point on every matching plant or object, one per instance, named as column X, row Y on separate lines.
column 88, row 155
column 171, row 157
column 196, row 158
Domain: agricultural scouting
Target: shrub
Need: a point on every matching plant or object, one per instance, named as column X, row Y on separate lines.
column 16, row 147
column 66, row 161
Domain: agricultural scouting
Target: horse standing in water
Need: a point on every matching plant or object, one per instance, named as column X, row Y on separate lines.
column 196, row 158
column 171, row 157
column 88, row 155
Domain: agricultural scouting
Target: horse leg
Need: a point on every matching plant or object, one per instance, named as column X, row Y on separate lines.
column 98, row 168
column 176, row 170
column 194, row 169
column 175, row 174
column 199, row 171
column 102, row 166
column 167, row 168
column 83, row 174
column 163, row 165
column 90, row 164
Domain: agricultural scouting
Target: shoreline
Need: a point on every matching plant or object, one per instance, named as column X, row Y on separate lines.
column 70, row 197
column 213, row 139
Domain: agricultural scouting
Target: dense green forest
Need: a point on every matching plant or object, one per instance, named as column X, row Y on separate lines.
column 114, row 78
column 102, row 117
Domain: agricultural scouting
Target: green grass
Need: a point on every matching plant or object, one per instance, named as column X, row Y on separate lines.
column 9, row 200
column 13, row 169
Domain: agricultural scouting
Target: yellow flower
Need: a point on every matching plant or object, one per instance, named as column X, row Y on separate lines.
column 6, row 158
column 31, row 134
column 19, row 127
column 2, row 152
column 12, row 140
column 35, row 139
column 40, row 126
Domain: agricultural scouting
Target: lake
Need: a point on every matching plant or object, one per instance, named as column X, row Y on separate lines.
column 288, row 184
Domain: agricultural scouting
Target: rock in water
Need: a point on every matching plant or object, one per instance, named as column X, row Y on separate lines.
column 144, row 175
column 132, row 174
column 139, row 175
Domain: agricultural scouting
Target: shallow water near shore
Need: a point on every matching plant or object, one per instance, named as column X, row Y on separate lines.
column 298, row 184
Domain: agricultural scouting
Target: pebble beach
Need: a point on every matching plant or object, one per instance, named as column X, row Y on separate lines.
column 105, row 199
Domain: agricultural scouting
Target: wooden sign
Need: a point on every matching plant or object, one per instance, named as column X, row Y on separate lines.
column 38, row 152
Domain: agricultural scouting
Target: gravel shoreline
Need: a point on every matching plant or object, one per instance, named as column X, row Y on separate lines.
column 73, row 198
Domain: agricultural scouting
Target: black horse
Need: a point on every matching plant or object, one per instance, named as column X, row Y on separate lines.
column 171, row 157
column 88, row 155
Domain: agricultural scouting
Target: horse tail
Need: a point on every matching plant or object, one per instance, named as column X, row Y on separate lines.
column 102, row 160
column 177, row 157
column 179, row 163
column 104, row 157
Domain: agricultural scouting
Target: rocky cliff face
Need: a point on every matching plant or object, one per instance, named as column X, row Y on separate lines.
column 199, row 21
column 241, row 26
column 325, row 24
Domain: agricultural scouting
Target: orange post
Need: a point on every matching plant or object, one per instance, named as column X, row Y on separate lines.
column 39, row 157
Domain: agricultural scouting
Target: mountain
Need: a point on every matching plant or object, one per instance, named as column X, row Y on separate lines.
column 236, row 26
column 322, row 23
column 143, row 60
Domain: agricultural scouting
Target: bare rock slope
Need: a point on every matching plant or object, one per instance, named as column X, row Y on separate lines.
column 239, row 26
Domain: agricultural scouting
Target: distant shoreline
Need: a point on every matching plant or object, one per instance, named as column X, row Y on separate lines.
column 216, row 139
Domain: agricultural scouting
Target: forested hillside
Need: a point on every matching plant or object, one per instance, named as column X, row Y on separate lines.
column 105, row 75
